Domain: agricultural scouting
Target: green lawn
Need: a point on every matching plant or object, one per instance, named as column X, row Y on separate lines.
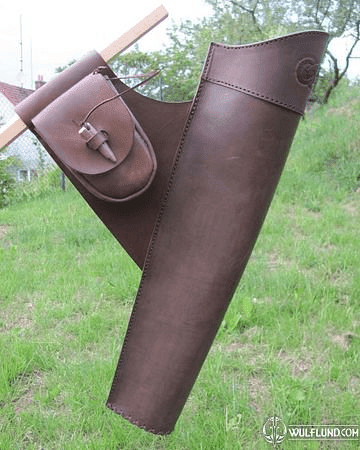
column 289, row 344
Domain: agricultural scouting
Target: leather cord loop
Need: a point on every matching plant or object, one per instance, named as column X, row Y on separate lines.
column 97, row 140
column 152, row 75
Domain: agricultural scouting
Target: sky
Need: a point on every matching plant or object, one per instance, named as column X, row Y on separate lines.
column 54, row 33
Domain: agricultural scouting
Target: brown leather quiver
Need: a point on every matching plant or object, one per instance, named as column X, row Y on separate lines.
column 191, row 223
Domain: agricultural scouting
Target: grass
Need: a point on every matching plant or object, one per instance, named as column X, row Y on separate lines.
column 289, row 344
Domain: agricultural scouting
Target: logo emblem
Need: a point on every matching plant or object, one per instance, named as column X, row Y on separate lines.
column 274, row 430
column 306, row 71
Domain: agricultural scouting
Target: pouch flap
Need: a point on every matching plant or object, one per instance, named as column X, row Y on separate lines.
column 62, row 120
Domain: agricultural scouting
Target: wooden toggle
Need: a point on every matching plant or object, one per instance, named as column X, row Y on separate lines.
column 97, row 140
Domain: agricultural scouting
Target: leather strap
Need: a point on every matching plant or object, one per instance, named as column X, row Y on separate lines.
column 36, row 102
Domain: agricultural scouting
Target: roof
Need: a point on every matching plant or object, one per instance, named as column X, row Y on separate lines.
column 14, row 94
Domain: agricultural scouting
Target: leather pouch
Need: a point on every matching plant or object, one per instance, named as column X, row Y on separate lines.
column 108, row 152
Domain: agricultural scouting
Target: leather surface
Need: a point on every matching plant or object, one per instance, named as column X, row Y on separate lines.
column 220, row 158
column 130, row 222
column 42, row 97
column 227, row 168
column 258, row 72
column 61, row 121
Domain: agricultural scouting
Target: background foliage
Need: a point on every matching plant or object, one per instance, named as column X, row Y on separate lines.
column 241, row 22
column 7, row 182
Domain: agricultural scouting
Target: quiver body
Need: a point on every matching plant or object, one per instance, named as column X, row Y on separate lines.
column 217, row 161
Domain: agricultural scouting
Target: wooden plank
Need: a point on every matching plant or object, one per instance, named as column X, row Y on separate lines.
column 16, row 127
column 11, row 131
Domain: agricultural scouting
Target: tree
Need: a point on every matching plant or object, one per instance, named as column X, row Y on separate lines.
column 180, row 64
column 62, row 68
column 266, row 18
column 241, row 22
column 134, row 66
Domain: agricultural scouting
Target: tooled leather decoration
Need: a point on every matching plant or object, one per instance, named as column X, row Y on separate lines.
column 306, row 71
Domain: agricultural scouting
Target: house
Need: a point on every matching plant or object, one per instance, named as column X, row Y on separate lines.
column 27, row 150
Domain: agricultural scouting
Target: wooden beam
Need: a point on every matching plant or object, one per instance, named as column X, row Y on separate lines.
column 11, row 131
column 16, row 127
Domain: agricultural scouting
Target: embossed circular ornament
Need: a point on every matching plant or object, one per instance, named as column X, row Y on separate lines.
column 306, row 71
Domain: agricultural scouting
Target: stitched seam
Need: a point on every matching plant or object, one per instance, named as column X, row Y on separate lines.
column 269, row 42
column 248, row 46
column 208, row 60
column 148, row 258
column 136, row 422
column 94, row 191
column 255, row 94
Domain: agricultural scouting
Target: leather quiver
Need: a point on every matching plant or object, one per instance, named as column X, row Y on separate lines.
column 227, row 166
column 192, row 232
